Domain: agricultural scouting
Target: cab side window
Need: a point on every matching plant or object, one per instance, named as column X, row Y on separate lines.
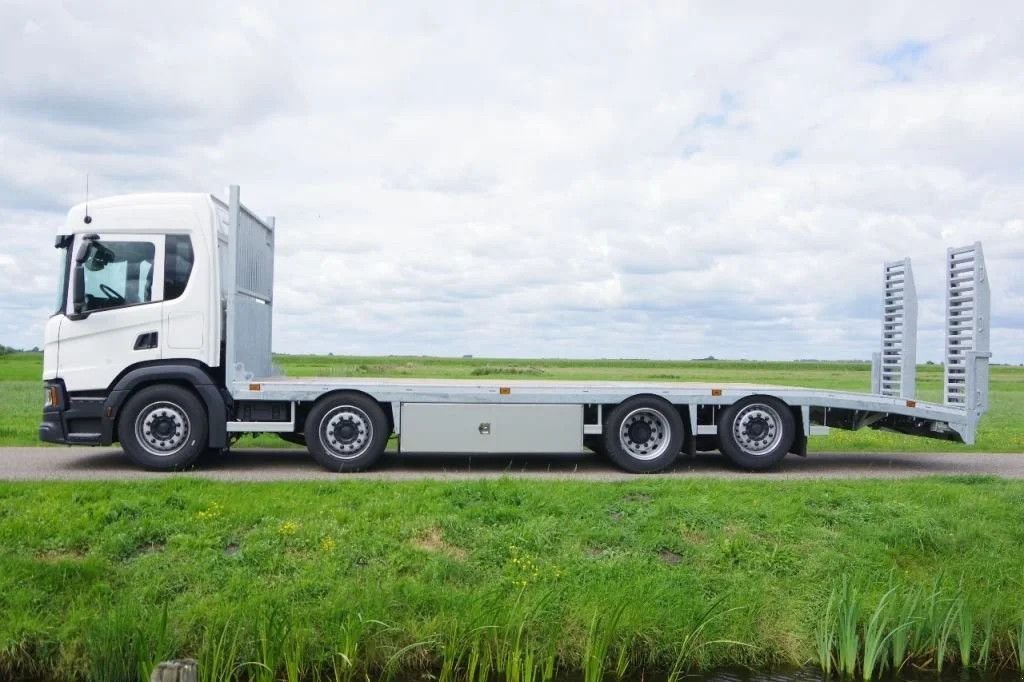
column 118, row 274
column 178, row 260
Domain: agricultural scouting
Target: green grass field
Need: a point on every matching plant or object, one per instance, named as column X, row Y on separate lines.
column 379, row 578
column 1001, row 431
column 515, row 581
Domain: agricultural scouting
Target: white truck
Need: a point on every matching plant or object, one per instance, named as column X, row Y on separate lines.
column 160, row 340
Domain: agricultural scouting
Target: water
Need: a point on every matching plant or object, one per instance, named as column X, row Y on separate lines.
column 815, row 675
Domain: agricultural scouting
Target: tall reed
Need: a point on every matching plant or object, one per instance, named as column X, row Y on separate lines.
column 693, row 641
column 271, row 630
column 931, row 628
column 905, row 616
column 965, row 633
column 126, row 643
column 353, row 653
column 825, row 635
column 942, row 642
column 600, row 638
column 876, row 637
column 218, row 653
column 1017, row 645
column 847, row 631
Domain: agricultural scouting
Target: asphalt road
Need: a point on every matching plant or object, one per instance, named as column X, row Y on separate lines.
column 77, row 463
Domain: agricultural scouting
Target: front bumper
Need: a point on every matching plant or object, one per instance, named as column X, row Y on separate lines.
column 74, row 420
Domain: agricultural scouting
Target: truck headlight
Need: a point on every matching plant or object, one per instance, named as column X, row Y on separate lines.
column 52, row 397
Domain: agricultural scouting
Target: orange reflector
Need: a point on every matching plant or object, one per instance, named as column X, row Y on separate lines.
column 110, row 412
column 504, row 390
column 716, row 391
column 254, row 387
column 911, row 403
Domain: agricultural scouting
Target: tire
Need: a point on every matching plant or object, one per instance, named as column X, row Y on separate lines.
column 163, row 428
column 756, row 432
column 644, row 434
column 347, row 432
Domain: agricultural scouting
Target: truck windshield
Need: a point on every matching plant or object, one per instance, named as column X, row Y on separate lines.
column 63, row 256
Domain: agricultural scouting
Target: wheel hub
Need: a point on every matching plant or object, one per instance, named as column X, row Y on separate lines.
column 162, row 428
column 640, row 432
column 757, row 429
column 645, row 434
column 346, row 432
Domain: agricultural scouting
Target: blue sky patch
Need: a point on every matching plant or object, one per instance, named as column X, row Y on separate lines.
column 904, row 59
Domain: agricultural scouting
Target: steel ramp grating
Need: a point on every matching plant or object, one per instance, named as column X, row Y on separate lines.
column 895, row 374
column 967, row 303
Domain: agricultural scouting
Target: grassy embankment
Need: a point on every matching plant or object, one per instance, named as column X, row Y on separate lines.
column 1002, row 429
column 524, row 579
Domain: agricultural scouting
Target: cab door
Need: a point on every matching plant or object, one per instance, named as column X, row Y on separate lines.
column 119, row 323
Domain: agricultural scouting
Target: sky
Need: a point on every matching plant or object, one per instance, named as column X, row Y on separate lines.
column 646, row 180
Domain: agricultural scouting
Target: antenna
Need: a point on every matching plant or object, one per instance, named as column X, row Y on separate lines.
column 88, row 218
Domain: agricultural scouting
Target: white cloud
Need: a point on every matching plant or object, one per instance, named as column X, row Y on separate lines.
column 661, row 181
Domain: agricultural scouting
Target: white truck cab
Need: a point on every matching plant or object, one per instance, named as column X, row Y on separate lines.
column 137, row 290
column 137, row 285
column 161, row 341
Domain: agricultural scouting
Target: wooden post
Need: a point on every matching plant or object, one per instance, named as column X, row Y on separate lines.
column 185, row 670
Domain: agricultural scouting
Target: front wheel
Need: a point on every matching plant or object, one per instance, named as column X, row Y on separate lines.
column 347, row 432
column 755, row 433
column 163, row 428
column 644, row 434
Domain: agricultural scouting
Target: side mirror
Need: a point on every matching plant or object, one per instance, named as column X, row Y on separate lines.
column 78, row 300
column 78, row 311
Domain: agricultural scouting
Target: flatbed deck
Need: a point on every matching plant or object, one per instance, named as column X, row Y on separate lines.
column 864, row 408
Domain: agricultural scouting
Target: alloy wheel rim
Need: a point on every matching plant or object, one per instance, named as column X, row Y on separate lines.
column 162, row 428
column 757, row 429
column 645, row 434
column 346, row 432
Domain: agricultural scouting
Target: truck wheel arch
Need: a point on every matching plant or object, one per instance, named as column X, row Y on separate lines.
column 193, row 377
column 304, row 407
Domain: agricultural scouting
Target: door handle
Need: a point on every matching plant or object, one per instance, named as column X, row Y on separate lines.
column 484, row 428
column 146, row 341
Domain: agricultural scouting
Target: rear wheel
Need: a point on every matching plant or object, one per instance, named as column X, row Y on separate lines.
column 347, row 432
column 163, row 428
column 644, row 434
column 756, row 433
